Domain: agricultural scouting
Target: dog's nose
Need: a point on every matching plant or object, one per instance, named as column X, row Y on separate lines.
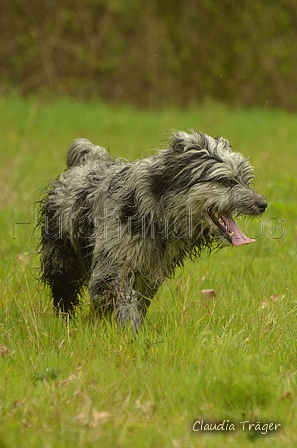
column 261, row 204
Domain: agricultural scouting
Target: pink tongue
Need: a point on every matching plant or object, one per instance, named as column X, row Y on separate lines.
column 238, row 238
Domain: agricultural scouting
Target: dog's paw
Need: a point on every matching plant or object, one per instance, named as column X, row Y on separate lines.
column 128, row 316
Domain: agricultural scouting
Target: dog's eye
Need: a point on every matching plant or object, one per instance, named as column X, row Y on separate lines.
column 229, row 183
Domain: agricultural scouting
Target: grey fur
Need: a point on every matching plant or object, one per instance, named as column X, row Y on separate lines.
column 123, row 227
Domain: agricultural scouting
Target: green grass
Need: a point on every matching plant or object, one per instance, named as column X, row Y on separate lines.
column 233, row 357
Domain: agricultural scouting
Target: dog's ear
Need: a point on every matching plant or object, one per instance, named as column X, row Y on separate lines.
column 179, row 142
column 204, row 144
column 223, row 144
column 182, row 141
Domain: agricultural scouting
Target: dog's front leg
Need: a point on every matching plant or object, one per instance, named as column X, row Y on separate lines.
column 127, row 309
column 118, row 291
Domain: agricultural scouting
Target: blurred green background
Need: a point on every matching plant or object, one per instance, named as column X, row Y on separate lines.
column 152, row 53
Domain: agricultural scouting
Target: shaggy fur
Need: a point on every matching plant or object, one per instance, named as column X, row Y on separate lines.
column 124, row 227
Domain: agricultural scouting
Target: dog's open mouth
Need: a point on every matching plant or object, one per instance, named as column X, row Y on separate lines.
column 230, row 230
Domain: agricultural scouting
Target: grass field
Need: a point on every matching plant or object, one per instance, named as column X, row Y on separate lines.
column 232, row 357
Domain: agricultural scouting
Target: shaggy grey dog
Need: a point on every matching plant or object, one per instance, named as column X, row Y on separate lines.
column 124, row 227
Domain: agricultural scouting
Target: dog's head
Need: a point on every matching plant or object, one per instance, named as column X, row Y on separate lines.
column 218, row 184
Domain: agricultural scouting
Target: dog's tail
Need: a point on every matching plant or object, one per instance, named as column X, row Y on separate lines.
column 82, row 151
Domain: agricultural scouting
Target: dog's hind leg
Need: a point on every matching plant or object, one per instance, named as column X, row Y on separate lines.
column 62, row 272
